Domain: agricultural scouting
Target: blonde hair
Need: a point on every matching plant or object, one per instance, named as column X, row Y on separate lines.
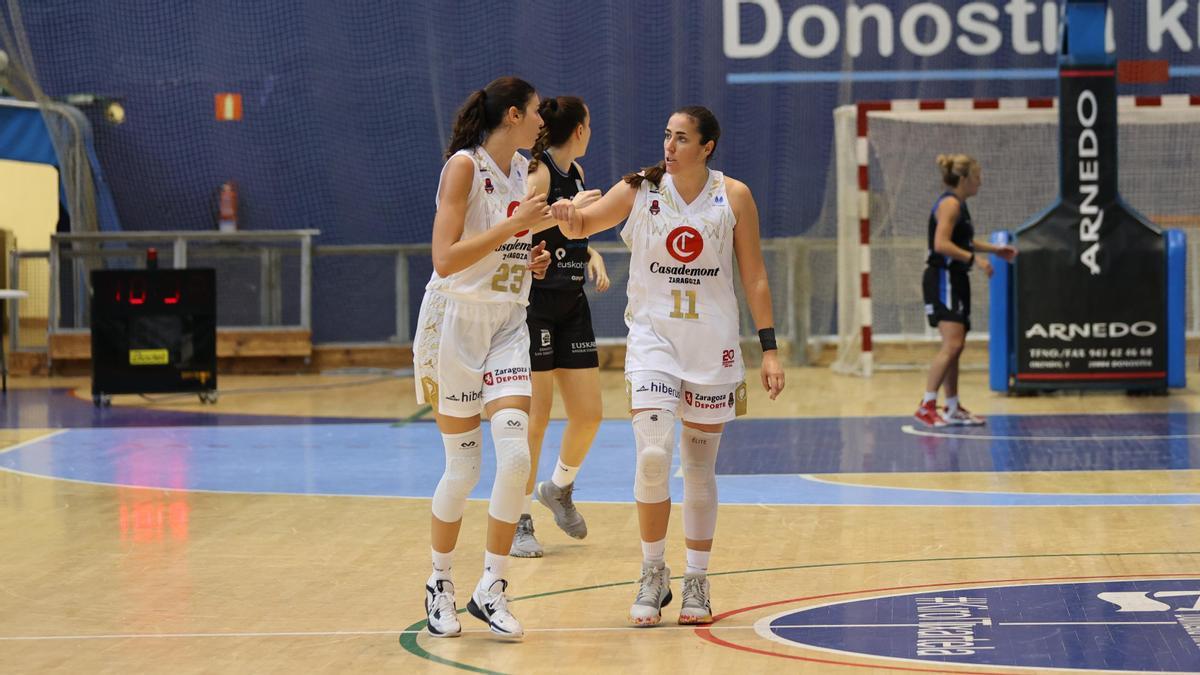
column 956, row 167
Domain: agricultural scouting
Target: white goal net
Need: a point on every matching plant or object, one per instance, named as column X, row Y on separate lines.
column 1017, row 146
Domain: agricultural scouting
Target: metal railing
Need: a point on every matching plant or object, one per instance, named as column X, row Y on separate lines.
column 283, row 289
column 19, row 278
column 73, row 256
column 399, row 253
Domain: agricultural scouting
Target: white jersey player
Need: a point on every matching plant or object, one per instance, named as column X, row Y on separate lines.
column 471, row 350
column 494, row 195
column 681, row 284
column 686, row 223
column 479, row 310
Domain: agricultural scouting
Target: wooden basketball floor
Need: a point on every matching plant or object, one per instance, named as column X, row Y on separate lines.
column 285, row 530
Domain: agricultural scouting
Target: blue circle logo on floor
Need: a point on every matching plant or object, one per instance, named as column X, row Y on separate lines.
column 1147, row 625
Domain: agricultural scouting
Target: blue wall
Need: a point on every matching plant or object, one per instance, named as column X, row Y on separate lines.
column 348, row 104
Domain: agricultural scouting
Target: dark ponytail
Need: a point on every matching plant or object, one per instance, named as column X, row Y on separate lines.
column 560, row 117
column 706, row 125
column 484, row 110
column 654, row 174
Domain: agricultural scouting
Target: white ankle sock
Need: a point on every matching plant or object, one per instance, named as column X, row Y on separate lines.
column 564, row 475
column 527, row 509
column 442, row 562
column 654, row 551
column 697, row 561
column 951, row 404
column 929, row 396
column 494, row 567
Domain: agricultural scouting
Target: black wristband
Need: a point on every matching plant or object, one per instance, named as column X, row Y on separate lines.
column 766, row 338
column 971, row 260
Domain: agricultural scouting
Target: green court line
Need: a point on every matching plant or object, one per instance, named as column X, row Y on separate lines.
column 408, row 639
column 421, row 412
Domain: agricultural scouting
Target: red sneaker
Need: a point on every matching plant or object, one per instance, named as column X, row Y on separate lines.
column 962, row 417
column 927, row 414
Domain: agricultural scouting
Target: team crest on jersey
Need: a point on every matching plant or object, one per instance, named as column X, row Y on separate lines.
column 684, row 243
column 512, row 207
column 487, row 378
column 487, row 186
column 545, row 338
column 687, row 397
column 654, row 210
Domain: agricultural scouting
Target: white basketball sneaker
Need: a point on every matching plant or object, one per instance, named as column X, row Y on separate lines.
column 490, row 606
column 439, row 605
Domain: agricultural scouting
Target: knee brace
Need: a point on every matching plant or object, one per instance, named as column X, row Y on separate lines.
column 698, row 454
column 510, row 433
column 463, row 452
column 654, row 435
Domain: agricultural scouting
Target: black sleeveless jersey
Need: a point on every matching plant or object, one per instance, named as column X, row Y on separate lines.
column 963, row 236
column 570, row 256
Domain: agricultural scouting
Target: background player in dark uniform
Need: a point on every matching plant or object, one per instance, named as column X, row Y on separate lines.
column 562, row 344
column 947, row 288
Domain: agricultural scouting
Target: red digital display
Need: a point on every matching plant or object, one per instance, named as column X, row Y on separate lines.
column 137, row 293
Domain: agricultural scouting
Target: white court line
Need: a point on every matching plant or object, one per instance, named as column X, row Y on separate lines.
column 579, row 629
column 910, row 429
column 999, row 623
column 261, row 493
column 31, row 441
column 842, row 625
column 1087, row 623
column 352, row 633
column 1048, row 495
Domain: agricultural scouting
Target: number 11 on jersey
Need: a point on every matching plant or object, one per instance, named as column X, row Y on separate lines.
column 678, row 296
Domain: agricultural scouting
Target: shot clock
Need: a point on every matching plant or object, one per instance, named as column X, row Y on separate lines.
column 154, row 331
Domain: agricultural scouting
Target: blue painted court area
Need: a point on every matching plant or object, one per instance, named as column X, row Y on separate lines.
column 1007, row 443
column 1148, row 625
column 61, row 409
column 761, row 461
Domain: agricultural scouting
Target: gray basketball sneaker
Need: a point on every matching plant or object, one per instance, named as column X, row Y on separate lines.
column 525, row 545
column 560, row 503
column 654, row 593
column 696, row 608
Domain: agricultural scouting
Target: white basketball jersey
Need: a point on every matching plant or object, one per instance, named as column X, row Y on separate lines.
column 503, row 274
column 682, row 312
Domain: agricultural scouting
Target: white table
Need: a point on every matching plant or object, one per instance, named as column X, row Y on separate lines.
column 7, row 294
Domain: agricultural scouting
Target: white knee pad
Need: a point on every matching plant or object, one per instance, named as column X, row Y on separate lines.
column 698, row 453
column 463, row 452
column 510, row 432
column 654, row 434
